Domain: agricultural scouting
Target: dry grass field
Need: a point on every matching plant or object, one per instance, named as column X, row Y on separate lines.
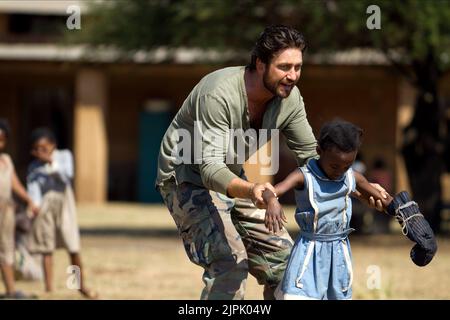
column 133, row 252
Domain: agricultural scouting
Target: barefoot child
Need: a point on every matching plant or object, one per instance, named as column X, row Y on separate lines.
column 320, row 265
column 9, row 182
column 49, row 184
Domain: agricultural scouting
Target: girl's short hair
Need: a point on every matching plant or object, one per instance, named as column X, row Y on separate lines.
column 40, row 133
column 340, row 134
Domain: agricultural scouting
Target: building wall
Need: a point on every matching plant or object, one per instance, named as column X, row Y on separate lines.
column 367, row 96
column 130, row 87
column 33, row 95
column 444, row 90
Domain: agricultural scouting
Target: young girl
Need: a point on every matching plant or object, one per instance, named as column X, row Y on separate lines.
column 320, row 264
column 49, row 184
column 9, row 183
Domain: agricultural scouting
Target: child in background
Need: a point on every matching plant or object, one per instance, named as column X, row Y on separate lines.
column 9, row 182
column 49, row 183
column 320, row 263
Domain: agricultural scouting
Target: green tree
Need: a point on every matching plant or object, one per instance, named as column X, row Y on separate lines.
column 414, row 36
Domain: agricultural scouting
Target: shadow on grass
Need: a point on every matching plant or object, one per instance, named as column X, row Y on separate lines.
column 173, row 233
column 130, row 232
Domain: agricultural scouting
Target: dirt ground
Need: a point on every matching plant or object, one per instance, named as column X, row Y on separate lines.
column 133, row 252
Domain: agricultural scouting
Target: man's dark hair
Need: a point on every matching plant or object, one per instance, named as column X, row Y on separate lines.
column 272, row 40
column 41, row 133
column 340, row 134
column 4, row 126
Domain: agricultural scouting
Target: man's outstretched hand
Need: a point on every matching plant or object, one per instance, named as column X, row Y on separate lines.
column 378, row 205
column 257, row 194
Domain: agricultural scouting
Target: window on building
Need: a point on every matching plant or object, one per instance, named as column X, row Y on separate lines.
column 36, row 25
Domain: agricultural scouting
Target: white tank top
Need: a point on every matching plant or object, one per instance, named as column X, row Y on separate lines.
column 6, row 171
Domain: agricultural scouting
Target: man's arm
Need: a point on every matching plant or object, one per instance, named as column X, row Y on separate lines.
column 243, row 189
column 239, row 188
column 213, row 125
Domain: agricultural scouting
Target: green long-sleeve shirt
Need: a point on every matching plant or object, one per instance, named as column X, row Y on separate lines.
column 216, row 106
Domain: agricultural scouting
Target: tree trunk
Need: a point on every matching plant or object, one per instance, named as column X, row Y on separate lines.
column 424, row 144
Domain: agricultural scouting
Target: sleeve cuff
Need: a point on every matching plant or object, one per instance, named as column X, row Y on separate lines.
column 221, row 179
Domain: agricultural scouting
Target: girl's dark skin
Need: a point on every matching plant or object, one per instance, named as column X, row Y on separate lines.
column 334, row 163
column 17, row 187
column 42, row 150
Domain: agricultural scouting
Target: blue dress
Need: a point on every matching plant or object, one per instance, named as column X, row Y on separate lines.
column 320, row 265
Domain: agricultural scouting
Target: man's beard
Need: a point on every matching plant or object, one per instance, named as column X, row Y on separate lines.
column 272, row 87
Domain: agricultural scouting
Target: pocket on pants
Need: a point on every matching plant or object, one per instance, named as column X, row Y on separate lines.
column 346, row 278
column 205, row 243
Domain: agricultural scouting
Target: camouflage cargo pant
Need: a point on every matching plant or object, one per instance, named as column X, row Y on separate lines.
column 228, row 238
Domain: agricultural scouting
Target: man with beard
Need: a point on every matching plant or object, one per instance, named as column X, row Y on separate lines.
column 218, row 212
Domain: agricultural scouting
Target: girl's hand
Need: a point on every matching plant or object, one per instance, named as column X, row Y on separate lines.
column 274, row 216
column 378, row 205
column 33, row 208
